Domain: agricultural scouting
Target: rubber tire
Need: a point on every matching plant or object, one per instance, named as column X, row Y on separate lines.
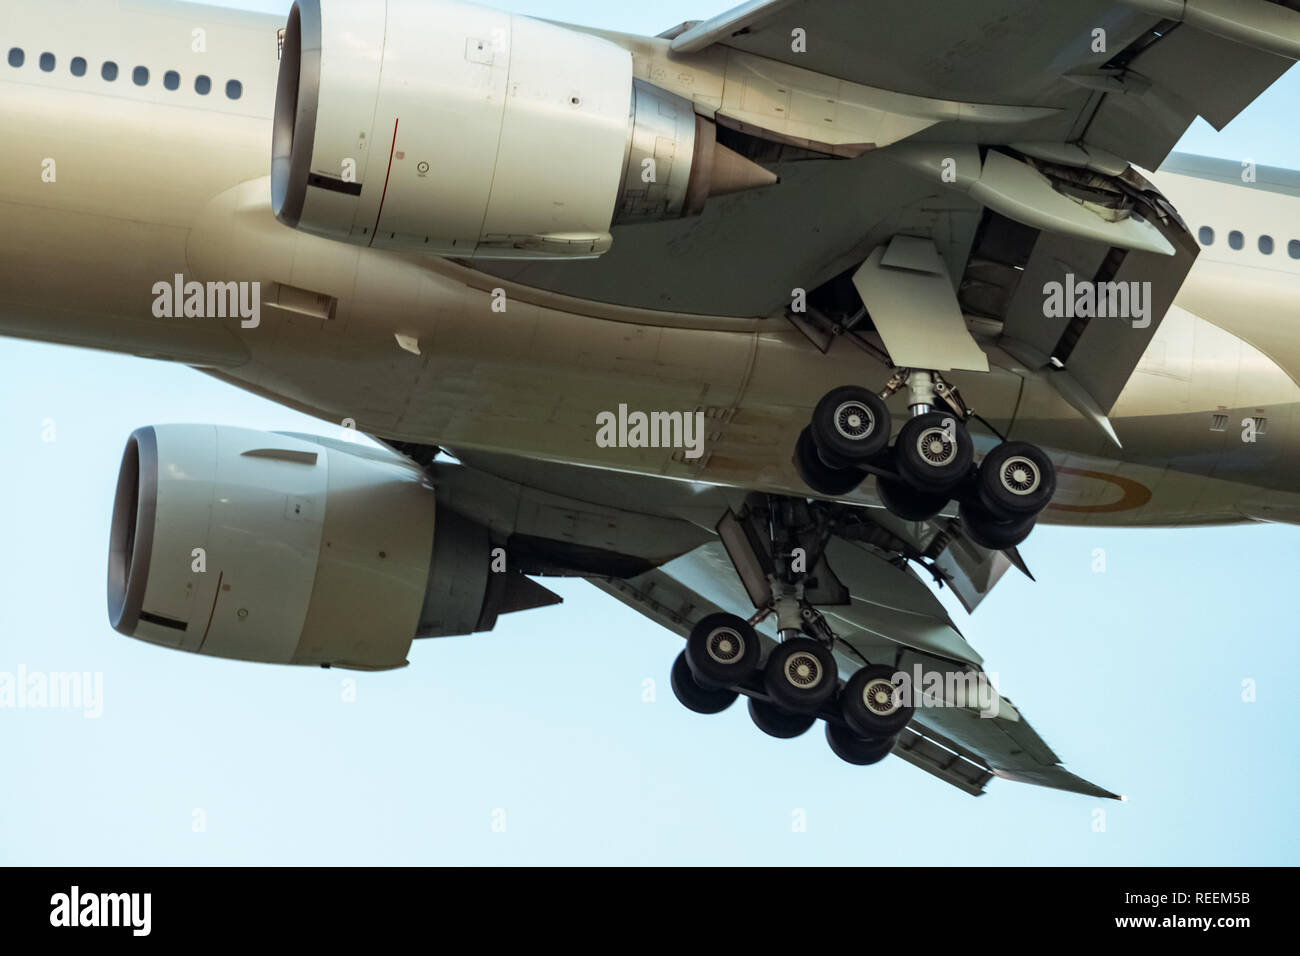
column 785, row 694
column 1001, row 501
column 709, row 672
column 702, row 700
column 837, row 447
column 859, row 751
column 921, row 474
column 864, row 721
column 819, row 476
column 775, row 722
column 903, row 501
column 989, row 531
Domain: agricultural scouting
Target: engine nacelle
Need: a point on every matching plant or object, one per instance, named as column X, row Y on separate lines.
column 270, row 548
column 453, row 129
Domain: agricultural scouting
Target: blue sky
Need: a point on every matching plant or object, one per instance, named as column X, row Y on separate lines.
column 1134, row 676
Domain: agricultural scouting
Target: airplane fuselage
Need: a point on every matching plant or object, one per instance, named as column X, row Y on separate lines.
column 113, row 181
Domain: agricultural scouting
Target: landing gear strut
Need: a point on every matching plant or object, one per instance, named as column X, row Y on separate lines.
column 930, row 463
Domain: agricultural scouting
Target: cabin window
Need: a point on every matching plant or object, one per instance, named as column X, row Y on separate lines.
column 15, row 56
column 47, row 62
column 108, row 71
column 78, row 66
column 1236, row 240
column 1207, row 236
column 140, row 75
column 1266, row 245
column 1293, row 248
column 202, row 85
column 234, row 89
column 172, row 80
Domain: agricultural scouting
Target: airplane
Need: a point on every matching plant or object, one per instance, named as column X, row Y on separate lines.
column 766, row 326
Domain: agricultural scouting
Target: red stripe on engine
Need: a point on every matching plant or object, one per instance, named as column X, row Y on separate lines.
column 382, row 196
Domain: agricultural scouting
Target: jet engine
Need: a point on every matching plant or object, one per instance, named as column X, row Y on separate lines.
column 453, row 129
column 273, row 548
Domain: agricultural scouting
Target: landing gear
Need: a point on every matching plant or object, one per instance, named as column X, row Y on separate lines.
column 934, row 453
column 778, row 546
column 801, row 675
column 722, row 651
column 1016, row 479
column 850, row 426
column 931, row 461
column 861, row 751
column 904, row 501
column 991, row 531
column 702, row 700
column 819, row 476
column 872, row 705
column 775, row 722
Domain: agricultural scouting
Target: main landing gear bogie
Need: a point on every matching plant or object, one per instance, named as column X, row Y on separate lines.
column 930, row 463
column 797, row 685
column 863, row 717
column 777, row 546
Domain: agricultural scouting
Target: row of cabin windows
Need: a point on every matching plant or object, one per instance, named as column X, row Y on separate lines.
column 139, row 76
column 1238, row 242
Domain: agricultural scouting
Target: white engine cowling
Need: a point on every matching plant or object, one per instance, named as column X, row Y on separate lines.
column 453, row 129
column 240, row 544
column 272, row 548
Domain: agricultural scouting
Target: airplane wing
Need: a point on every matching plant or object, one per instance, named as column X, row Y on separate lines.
column 990, row 147
column 1129, row 76
column 676, row 571
column 1127, row 79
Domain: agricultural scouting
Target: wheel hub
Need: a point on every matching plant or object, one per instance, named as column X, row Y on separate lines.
column 854, row 421
column 1020, row 476
column 936, row 447
column 803, row 670
column 725, row 645
column 879, row 697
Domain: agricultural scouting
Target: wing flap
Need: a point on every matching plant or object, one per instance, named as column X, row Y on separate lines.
column 704, row 33
column 1107, row 348
column 1058, row 778
column 963, row 772
column 1156, row 64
